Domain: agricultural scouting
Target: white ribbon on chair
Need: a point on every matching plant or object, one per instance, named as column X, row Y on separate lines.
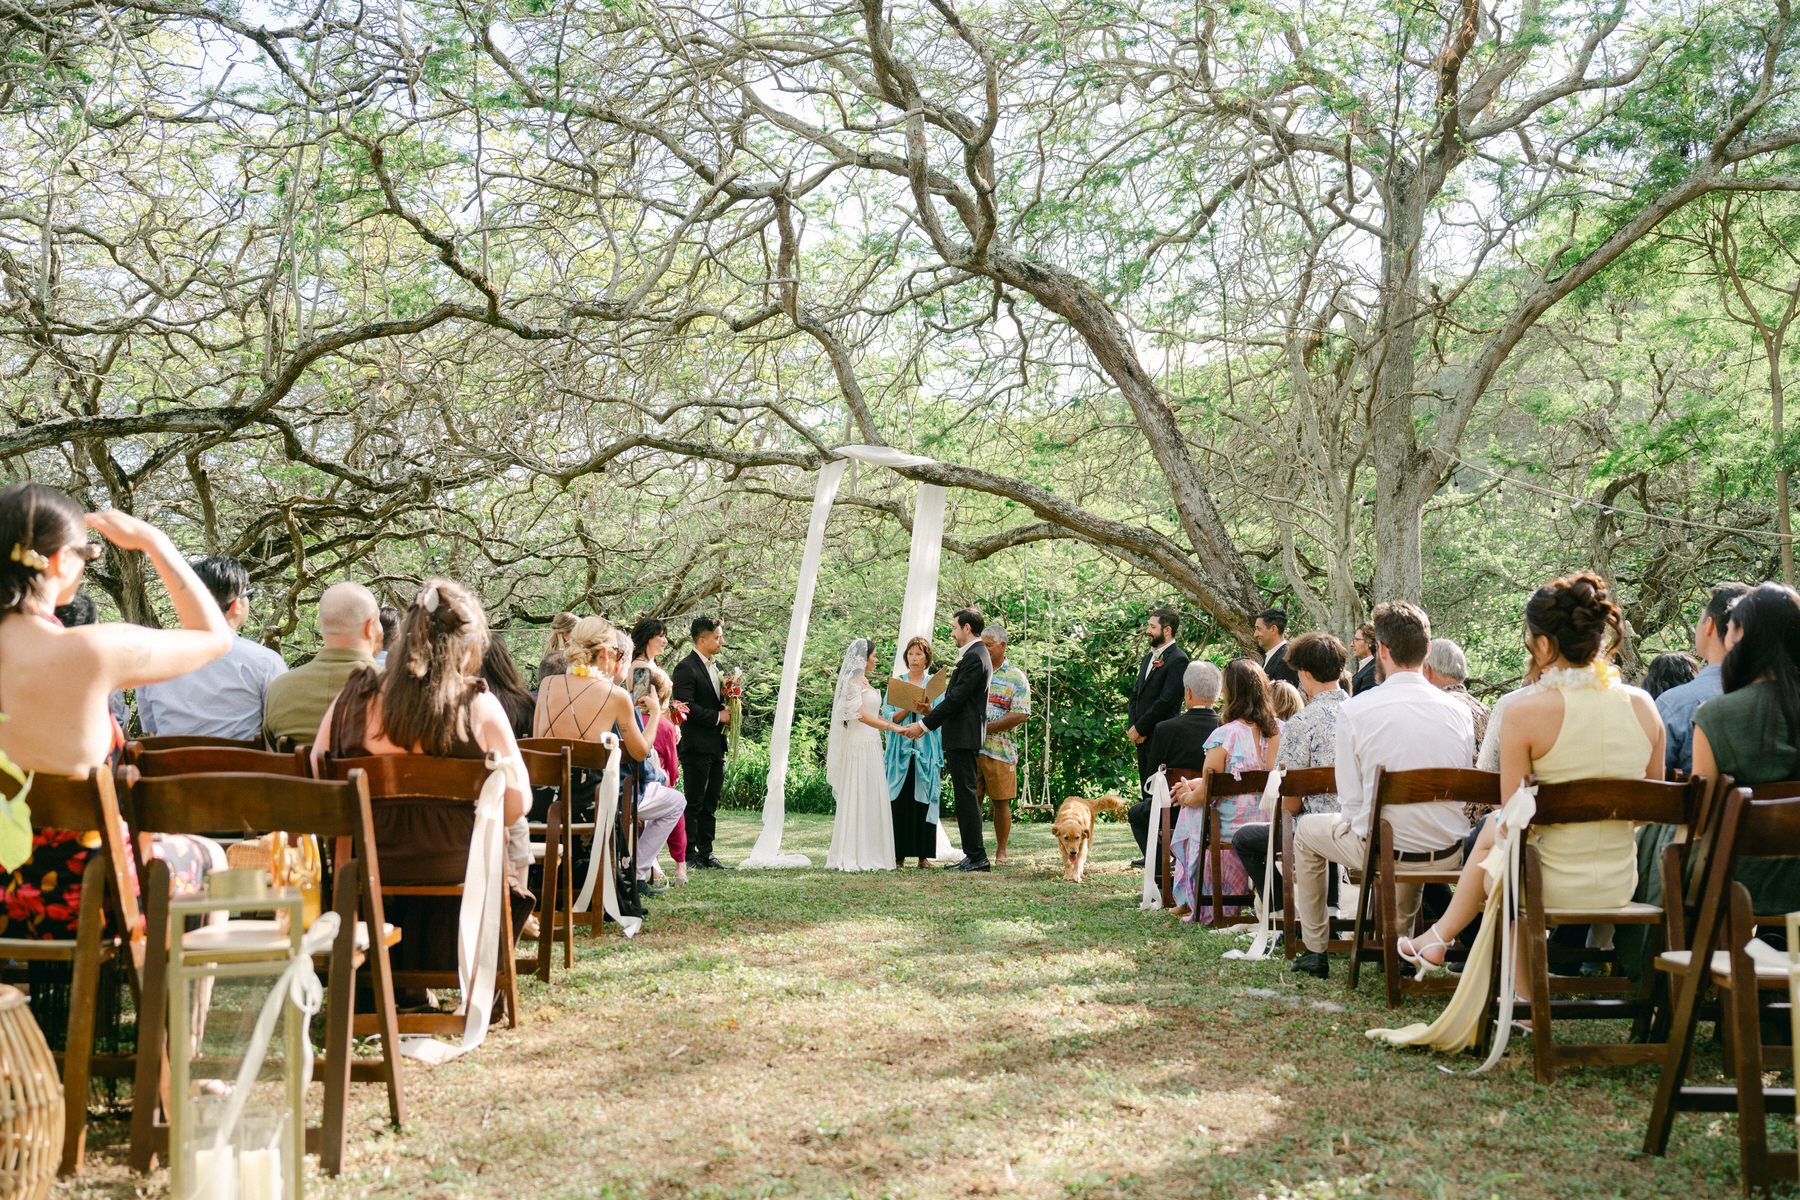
column 600, row 858
column 478, row 935
column 1509, row 838
column 298, row 984
column 1157, row 787
column 1261, row 947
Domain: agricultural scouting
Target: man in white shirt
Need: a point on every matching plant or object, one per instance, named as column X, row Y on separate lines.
column 1406, row 724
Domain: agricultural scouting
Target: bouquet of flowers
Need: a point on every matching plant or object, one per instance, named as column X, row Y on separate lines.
column 731, row 688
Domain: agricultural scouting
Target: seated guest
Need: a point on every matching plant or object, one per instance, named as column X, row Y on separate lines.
column 1447, row 670
column 56, row 682
column 225, row 697
column 350, row 628
column 1583, row 722
column 589, row 700
column 1308, row 739
column 553, row 662
column 1670, row 671
column 429, row 700
column 81, row 610
column 1286, row 697
column 1182, row 744
column 390, row 629
column 1403, row 725
column 1677, row 705
column 1363, row 647
column 663, row 808
column 502, row 677
column 649, row 638
column 1247, row 740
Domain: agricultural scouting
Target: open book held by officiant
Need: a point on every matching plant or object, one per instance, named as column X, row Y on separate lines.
column 908, row 696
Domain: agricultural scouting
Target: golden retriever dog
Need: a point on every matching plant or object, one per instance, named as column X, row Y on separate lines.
column 1074, row 829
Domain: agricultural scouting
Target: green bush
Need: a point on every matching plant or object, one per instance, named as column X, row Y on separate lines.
column 747, row 779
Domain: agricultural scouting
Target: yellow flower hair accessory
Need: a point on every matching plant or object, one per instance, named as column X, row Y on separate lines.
column 29, row 557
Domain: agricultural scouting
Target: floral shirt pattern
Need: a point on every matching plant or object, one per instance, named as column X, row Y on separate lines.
column 1309, row 739
column 1008, row 692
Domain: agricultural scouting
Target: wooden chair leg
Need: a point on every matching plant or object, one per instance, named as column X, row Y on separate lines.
column 1216, row 857
column 1535, row 933
column 150, row 1072
column 84, row 994
column 549, row 903
column 568, row 890
column 509, row 961
column 340, row 1015
column 1165, row 856
column 1388, row 928
column 381, row 979
column 1359, row 929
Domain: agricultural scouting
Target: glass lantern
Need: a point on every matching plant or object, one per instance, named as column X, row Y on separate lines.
column 244, row 1138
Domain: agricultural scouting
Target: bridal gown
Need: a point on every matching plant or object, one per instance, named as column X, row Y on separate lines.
column 862, row 833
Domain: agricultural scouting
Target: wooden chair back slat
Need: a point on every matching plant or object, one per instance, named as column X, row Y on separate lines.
column 202, row 760
column 419, row 777
column 546, row 768
column 251, row 804
column 583, row 756
column 1637, row 800
column 1309, row 781
column 1442, row 785
column 1221, row 783
column 175, row 742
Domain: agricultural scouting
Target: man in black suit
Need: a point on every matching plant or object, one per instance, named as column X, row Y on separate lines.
column 1362, row 645
column 1180, row 742
column 696, row 684
column 1270, row 632
column 962, row 717
column 1157, row 696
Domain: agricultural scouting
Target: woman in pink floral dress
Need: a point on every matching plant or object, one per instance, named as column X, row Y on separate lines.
column 1246, row 740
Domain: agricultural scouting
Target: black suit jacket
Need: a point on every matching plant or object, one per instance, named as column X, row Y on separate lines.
column 1364, row 679
column 1277, row 668
column 962, row 714
column 1180, row 742
column 693, row 686
column 1157, row 696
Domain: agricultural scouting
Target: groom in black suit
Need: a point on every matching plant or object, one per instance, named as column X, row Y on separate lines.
column 697, row 685
column 1157, row 696
column 962, row 716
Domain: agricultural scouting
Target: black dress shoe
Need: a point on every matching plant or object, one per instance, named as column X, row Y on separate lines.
column 711, row 862
column 973, row 864
column 1313, row 963
column 1137, row 864
column 645, row 889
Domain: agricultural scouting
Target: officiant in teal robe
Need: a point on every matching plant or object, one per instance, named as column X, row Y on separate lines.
column 915, row 775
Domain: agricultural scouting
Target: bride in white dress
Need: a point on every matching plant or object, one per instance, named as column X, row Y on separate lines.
column 862, row 833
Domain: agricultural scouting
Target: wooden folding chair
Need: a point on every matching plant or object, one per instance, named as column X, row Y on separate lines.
column 546, row 769
column 213, row 760
column 1296, row 787
column 583, row 756
column 1723, row 926
column 174, row 742
column 1640, row 801
column 1220, row 785
column 255, row 804
column 398, row 781
column 107, row 926
column 1385, row 866
column 1165, row 836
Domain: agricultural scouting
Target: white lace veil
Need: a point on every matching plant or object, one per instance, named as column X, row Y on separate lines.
column 846, row 707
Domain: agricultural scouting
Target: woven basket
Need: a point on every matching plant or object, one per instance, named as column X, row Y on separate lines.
column 31, row 1103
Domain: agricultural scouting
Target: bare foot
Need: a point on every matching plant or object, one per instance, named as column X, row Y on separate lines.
column 1000, row 856
column 925, row 864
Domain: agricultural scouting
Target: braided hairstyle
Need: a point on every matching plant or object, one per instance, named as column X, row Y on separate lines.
column 35, row 523
column 1578, row 614
column 427, row 688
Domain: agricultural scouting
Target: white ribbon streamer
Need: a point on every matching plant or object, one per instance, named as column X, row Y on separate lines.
column 1509, row 836
column 1158, row 788
column 297, row 984
column 917, row 614
column 601, row 857
column 1262, row 945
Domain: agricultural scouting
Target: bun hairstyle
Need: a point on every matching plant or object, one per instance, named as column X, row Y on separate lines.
column 1578, row 615
column 560, row 627
column 427, row 688
column 588, row 638
column 36, row 522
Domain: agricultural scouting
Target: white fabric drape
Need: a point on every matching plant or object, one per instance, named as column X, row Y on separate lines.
column 917, row 616
column 600, row 858
column 478, row 935
column 1262, row 945
column 1158, row 788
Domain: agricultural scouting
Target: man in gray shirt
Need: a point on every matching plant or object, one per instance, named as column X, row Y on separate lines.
column 225, row 697
column 1676, row 706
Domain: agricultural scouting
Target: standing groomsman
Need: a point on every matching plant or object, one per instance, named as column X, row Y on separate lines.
column 962, row 718
column 1270, row 632
column 702, row 753
column 1157, row 696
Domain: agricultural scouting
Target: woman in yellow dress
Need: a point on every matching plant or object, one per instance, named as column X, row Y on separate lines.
column 1582, row 722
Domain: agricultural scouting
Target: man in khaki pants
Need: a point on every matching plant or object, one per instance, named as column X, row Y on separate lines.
column 997, row 767
column 1405, row 724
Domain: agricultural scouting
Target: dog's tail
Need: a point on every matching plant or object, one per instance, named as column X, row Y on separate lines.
column 1108, row 803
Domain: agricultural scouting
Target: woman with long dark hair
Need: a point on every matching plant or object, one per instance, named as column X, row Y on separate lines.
column 1752, row 731
column 1247, row 739
column 503, row 680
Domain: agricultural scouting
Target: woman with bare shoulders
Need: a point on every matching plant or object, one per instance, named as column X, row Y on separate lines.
column 54, row 682
column 587, row 701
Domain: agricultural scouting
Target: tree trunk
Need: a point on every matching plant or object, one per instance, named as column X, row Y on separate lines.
column 1402, row 485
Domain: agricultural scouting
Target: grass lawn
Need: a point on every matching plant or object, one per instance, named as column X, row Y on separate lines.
column 807, row 1033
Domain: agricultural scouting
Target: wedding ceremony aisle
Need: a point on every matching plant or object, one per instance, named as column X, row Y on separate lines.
column 809, row 1033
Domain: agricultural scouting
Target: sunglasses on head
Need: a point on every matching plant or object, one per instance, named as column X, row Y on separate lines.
column 88, row 551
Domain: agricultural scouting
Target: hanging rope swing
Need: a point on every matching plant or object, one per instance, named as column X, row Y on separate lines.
column 1026, row 804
